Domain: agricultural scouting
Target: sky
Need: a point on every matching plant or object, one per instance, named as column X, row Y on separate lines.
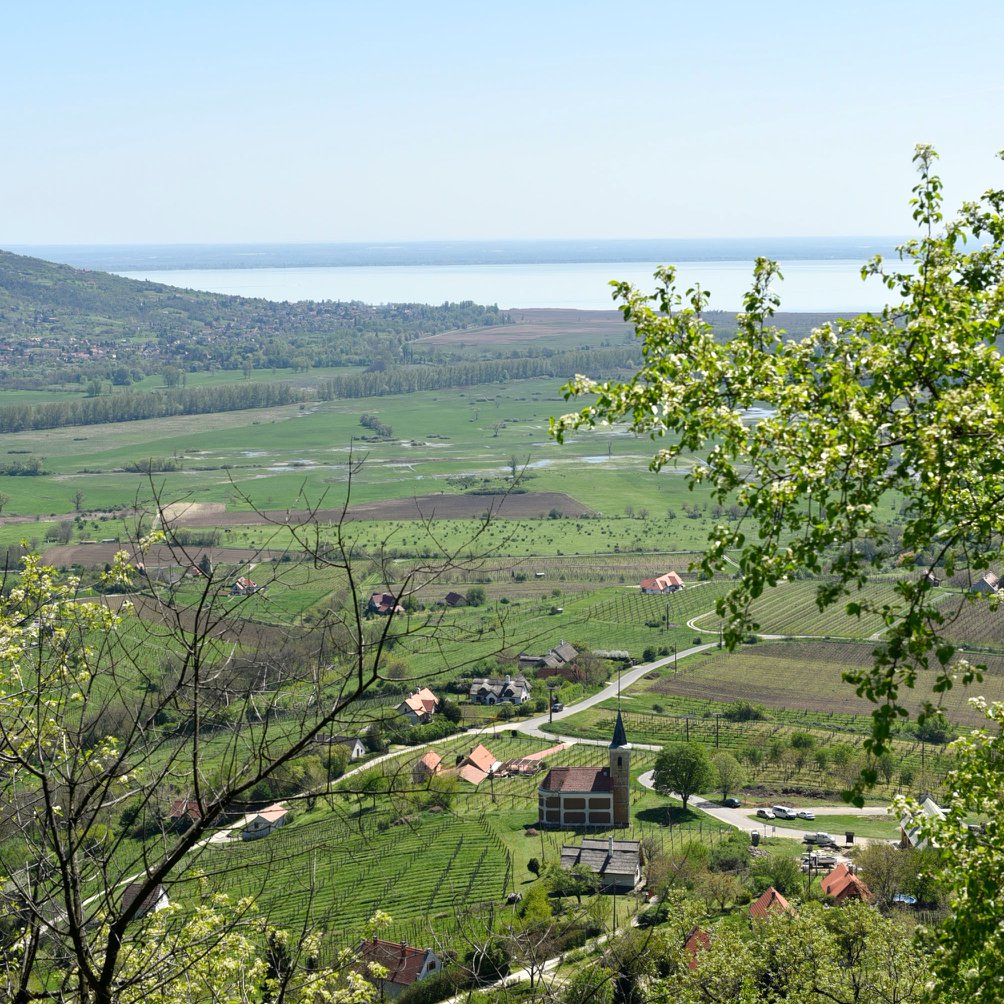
column 394, row 120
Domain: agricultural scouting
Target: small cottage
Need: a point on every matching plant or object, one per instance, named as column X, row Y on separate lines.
column 429, row 766
column 419, row 706
column 352, row 743
column 405, row 965
column 262, row 823
column 664, row 584
column 842, row 885
column 617, row 863
column 183, row 813
column 909, row 831
column 769, row 905
column 384, row 604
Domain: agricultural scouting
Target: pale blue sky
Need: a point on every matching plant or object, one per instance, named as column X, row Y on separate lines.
column 225, row 121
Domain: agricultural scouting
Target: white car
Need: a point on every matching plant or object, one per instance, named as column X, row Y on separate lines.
column 764, row 814
column 806, row 814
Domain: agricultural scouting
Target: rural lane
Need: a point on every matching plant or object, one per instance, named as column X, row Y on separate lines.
column 532, row 726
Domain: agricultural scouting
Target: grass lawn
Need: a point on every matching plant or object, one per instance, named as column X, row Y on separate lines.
column 882, row 827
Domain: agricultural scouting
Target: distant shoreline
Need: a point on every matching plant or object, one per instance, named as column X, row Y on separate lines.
column 178, row 257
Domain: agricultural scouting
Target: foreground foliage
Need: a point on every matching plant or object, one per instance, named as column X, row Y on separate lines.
column 903, row 405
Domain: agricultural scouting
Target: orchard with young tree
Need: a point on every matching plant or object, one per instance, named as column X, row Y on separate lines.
column 904, row 408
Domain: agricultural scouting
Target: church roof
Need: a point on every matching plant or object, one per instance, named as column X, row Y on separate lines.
column 620, row 736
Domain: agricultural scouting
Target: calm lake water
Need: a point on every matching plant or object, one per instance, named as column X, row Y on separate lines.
column 809, row 285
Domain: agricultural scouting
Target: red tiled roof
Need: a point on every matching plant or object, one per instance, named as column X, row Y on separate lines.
column 842, row 883
column 770, row 901
column 482, row 758
column 471, row 774
column 272, row 813
column 403, row 963
column 431, row 760
column 697, row 941
column 578, row 779
column 184, row 807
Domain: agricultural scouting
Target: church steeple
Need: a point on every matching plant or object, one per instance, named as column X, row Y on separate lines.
column 620, row 736
column 620, row 773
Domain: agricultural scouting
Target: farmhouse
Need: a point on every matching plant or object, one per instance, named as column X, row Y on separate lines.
column 430, row 765
column 770, row 904
column 419, row 706
column 352, row 743
column 987, row 584
column 589, row 797
column 842, row 885
column 511, row 690
column 244, row 587
column 183, row 813
column 405, row 965
column 156, row 899
column 668, row 583
column 262, row 823
column 453, row 599
column 558, row 656
column 384, row 604
column 617, row 863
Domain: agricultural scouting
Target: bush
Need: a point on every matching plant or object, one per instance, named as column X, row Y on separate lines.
column 744, row 711
column 436, row 987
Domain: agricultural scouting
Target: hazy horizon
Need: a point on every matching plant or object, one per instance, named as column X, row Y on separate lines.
column 236, row 122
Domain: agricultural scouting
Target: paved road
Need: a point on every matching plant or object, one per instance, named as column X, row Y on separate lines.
column 532, row 726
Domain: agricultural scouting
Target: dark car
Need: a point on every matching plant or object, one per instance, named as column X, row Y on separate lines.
column 557, row 706
column 731, row 803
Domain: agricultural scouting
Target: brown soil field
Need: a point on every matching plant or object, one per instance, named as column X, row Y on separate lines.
column 532, row 505
column 535, row 323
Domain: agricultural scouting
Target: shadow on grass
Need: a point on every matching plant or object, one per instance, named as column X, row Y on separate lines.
column 667, row 815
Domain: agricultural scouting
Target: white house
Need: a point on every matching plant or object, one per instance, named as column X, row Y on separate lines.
column 668, row 583
column 487, row 690
column 262, row 823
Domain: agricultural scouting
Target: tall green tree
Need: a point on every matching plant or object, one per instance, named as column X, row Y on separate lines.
column 904, row 406
column 684, row 769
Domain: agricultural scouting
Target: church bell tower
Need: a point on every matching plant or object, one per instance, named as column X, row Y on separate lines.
column 620, row 773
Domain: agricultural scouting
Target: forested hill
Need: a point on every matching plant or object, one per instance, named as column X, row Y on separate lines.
column 62, row 324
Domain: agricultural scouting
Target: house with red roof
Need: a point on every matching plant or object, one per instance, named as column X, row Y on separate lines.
column 263, row 822
column 697, row 941
column 404, row 965
column 842, row 885
column 429, row 766
column 770, row 904
column 419, row 706
column 244, row 587
column 668, row 583
column 384, row 604
column 183, row 813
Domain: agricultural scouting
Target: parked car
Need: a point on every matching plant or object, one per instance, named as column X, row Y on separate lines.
column 764, row 814
column 557, row 706
column 731, row 803
column 784, row 812
column 821, row 838
column 806, row 814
